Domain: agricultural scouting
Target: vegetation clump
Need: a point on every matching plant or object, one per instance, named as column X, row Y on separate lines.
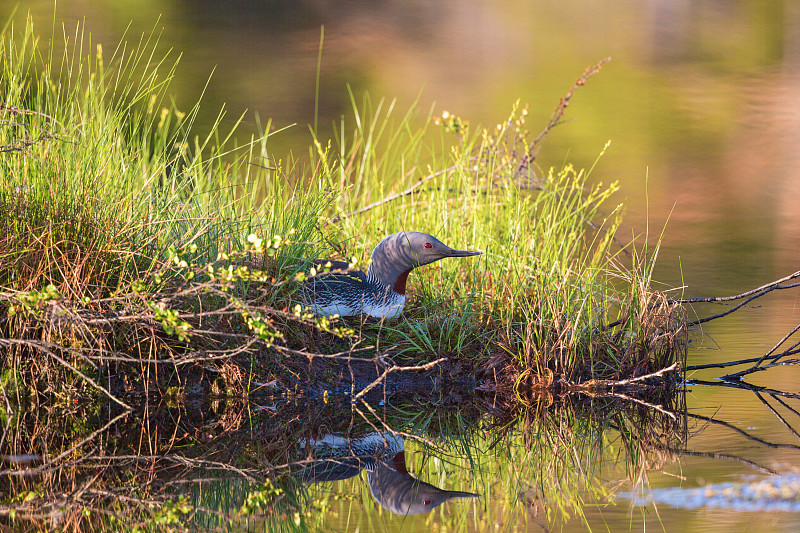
column 139, row 257
column 141, row 261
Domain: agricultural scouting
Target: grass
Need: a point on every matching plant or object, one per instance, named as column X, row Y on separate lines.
column 136, row 253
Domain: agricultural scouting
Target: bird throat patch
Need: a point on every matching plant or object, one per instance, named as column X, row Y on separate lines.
column 400, row 285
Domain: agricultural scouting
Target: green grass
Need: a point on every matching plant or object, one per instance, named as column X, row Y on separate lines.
column 113, row 208
column 120, row 225
column 553, row 273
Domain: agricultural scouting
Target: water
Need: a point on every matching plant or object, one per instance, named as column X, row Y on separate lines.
column 701, row 105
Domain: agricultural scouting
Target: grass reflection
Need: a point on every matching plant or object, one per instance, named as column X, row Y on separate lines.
column 207, row 465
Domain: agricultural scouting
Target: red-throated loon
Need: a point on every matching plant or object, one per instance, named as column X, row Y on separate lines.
column 381, row 292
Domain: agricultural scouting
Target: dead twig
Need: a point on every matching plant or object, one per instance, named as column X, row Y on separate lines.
column 755, row 367
column 771, row 285
column 791, row 351
column 394, row 196
column 389, row 370
column 655, row 374
column 558, row 114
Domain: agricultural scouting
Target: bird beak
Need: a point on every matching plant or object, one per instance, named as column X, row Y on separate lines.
column 462, row 253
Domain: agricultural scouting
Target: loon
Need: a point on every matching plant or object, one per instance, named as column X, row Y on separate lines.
column 381, row 292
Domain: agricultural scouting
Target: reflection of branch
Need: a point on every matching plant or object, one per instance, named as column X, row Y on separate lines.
column 743, row 432
column 714, row 455
column 642, row 402
column 47, row 465
column 83, row 376
column 778, row 415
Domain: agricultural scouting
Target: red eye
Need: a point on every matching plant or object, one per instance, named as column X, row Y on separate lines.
column 426, row 502
column 428, row 245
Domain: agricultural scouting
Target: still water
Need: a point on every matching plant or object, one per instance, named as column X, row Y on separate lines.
column 701, row 103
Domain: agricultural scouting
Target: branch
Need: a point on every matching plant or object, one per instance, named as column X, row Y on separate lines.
column 602, row 384
column 754, row 368
column 770, row 286
column 741, row 304
column 558, row 114
column 791, row 351
column 744, row 386
column 656, row 374
column 394, row 196
column 395, row 369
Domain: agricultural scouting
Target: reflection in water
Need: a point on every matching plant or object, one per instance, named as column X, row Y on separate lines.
column 383, row 456
column 227, row 463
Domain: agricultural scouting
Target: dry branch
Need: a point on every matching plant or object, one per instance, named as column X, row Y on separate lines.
column 394, row 196
column 389, row 370
column 558, row 114
column 755, row 367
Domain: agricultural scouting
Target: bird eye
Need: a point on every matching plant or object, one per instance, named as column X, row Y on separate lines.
column 428, row 245
column 426, row 502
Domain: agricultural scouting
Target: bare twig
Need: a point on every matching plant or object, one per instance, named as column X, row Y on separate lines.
column 558, row 114
column 741, row 304
column 755, row 367
column 90, row 381
column 771, row 285
column 656, row 374
column 745, row 386
column 394, row 196
column 726, row 364
column 397, row 369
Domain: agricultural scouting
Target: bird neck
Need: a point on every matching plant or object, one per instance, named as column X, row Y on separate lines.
column 390, row 276
column 399, row 285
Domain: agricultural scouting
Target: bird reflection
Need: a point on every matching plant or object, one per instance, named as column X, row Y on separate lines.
column 383, row 457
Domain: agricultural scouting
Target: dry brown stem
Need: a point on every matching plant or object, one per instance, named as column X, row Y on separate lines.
column 558, row 114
